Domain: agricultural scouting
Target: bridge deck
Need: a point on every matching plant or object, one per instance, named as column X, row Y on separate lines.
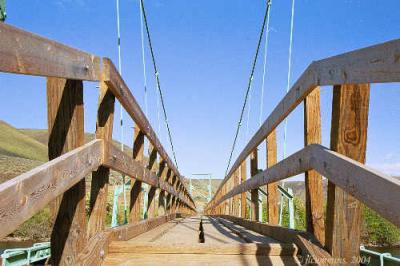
column 177, row 242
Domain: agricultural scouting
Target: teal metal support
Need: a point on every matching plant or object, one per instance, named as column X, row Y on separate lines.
column 25, row 256
column 382, row 256
column 3, row 14
column 209, row 188
column 291, row 209
column 117, row 192
column 145, row 200
column 288, row 194
column 114, row 220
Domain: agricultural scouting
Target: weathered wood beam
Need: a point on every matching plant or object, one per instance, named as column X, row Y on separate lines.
column 136, row 195
column 124, row 95
column 374, row 64
column 382, row 194
column 243, row 199
column 26, row 194
column 348, row 137
column 100, row 178
column 309, row 246
column 95, row 251
column 121, row 162
column 22, row 52
column 271, row 249
column 66, row 132
column 313, row 180
column 255, row 215
column 272, row 188
column 128, row 231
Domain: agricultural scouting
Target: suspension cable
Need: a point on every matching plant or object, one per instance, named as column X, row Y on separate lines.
column 120, row 72
column 289, row 73
column 143, row 60
column 248, row 89
column 265, row 64
column 121, row 109
column 158, row 83
column 287, row 90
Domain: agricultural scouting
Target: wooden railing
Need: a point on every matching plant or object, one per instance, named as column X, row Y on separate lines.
column 349, row 180
column 61, row 181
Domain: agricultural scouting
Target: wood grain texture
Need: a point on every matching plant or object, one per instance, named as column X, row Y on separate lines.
column 136, row 194
column 95, row 251
column 309, row 246
column 100, row 178
column 22, row 52
column 374, row 64
column 124, row 95
column 128, row 231
column 255, row 215
column 243, row 200
column 381, row 194
column 199, row 248
column 121, row 162
column 66, row 132
column 26, row 194
column 349, row 137
column 313, row 180
column 272, row 188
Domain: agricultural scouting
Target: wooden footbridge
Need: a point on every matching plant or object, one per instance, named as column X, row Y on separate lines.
column 174, row 233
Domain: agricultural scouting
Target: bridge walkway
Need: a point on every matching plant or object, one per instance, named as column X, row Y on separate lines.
column 201, row 241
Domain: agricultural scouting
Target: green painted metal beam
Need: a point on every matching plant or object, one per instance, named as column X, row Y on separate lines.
column 3, row 13
column 25, row 256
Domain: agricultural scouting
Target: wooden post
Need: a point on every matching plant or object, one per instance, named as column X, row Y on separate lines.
column 313, row 180
column 348, row 137
column 161, row 198
column 136, row 195
column 254, row 192
column 243, row 200
column 151, row 201
column 100, row 178
column 272, row 188
column 237, row 197
column 168, row 179
column 66, row 132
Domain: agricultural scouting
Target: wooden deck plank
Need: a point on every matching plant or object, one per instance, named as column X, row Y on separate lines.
column 187, row 231
column 216, row 233
column 275, row 249
column 248, row 235
column 156, row 233
column 197, row 259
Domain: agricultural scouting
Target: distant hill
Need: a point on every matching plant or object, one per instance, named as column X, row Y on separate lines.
column 200, row 190
column 15, row 143
column 24, row 149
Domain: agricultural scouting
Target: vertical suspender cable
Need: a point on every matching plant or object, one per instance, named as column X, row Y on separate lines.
column 287, row 90
column 143, row 60
column 269, row 3
column 121, row 109
column 265, row 63
column 145, row 186
column 289, row 73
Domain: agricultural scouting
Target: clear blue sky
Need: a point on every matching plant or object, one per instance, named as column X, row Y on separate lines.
column 204, row 51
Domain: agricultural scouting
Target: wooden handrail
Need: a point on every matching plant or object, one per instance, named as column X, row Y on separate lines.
column 25, row 53
column 121, row 91
column 375, row 64
column 22, row 52
column 378, row 191
column 120, row 162
column 26, row 194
